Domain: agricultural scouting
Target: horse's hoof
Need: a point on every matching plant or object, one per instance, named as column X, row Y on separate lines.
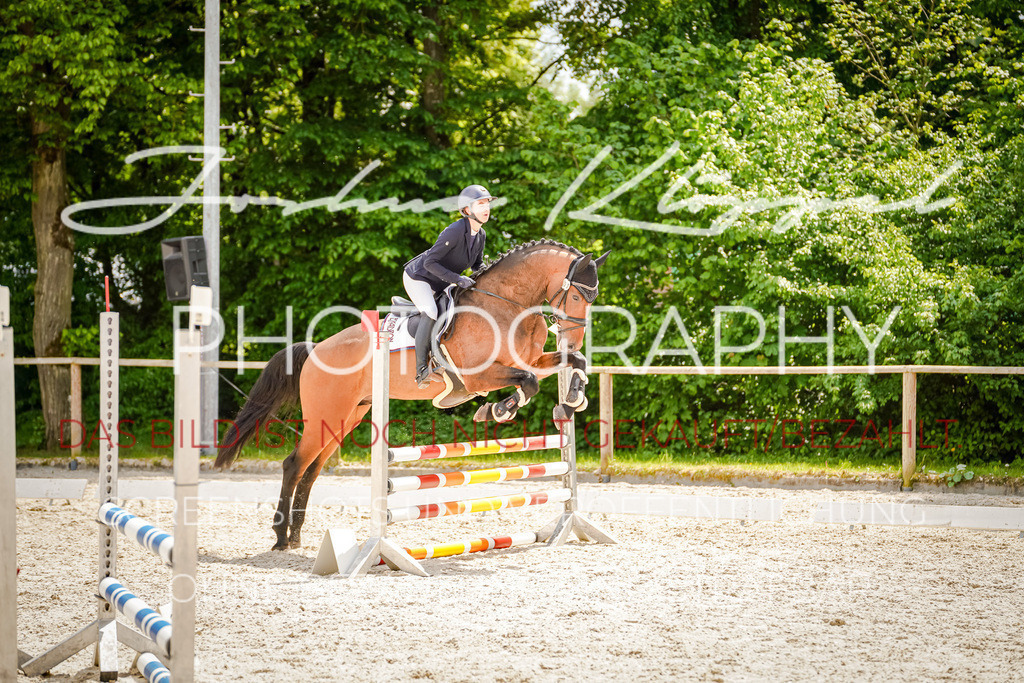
column 560, row 414
column 483, row 413
column 280, row 546
column 294, row 545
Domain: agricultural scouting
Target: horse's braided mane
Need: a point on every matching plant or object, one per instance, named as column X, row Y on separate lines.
column 521, row 249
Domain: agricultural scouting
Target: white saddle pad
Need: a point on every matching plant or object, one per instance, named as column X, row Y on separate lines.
column 401, row 339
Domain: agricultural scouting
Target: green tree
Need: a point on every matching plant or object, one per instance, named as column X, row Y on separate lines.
column 57, row 74
column 83, row 84
column 912, row 60
column 768, row 126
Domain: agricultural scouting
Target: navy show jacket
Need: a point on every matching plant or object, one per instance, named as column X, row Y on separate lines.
column 453, row 252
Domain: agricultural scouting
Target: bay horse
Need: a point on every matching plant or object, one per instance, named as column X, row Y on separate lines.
column 332, row 379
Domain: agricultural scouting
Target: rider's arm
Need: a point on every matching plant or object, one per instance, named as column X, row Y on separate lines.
column 449, row 240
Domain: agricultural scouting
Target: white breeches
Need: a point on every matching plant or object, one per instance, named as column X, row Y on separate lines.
column 422, row 295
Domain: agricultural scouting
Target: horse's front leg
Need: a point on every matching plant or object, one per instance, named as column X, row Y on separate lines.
column 575, row 397
column 500, row 376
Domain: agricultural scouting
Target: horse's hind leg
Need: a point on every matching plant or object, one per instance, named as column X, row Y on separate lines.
column 312, row 472
column 298, row 515
column 290, row 476
column 293, row 468
column 302, row 495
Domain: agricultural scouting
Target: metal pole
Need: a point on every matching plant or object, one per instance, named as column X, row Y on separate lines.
column 110, row 370
column 211, row 217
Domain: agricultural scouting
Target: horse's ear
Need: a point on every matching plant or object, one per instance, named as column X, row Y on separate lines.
column 600, row 259
column 583, row 262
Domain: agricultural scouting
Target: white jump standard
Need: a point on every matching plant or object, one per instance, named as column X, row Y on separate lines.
column 379, row 549
column 166, row 645
column 10, row 656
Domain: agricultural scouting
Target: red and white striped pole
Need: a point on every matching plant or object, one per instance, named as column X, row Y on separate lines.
column 443, row 479
column 462, row 507
column 471, row 545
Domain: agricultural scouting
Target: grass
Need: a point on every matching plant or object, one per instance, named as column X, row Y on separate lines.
column 653, row 460
column 773, row 466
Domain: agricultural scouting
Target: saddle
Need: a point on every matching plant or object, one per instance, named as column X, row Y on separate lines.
column 404, row 308
column 403, row 321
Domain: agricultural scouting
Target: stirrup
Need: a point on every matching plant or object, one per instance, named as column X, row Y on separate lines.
column 423, row 377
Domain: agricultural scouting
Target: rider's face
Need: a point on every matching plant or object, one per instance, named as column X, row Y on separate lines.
column 481, row 208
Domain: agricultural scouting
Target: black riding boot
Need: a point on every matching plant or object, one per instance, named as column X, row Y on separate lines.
column 423, row 351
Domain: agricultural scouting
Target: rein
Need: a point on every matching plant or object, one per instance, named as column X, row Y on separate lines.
column 589, row 294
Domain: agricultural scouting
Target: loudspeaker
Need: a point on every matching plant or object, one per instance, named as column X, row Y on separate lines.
column 184, row 265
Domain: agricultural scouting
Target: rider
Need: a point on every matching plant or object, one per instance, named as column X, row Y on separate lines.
column 460, row 246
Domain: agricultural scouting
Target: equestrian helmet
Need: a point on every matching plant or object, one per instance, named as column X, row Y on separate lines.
column 472, row 194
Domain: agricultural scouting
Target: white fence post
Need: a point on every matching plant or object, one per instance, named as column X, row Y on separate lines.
column 9, row 512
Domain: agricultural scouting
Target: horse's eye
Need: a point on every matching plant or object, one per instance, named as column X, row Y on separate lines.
column 575, row 297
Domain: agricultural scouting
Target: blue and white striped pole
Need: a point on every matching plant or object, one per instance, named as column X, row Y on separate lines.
column 154, row 539
column 147, row 619
column 153, row 669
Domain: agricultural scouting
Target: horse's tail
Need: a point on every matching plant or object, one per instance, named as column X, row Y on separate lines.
column 274, row 388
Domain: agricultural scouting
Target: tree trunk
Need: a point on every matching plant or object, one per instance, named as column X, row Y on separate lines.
column 55, row 261
column 433, row 79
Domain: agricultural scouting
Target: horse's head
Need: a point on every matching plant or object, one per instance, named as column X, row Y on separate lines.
column 576, row 293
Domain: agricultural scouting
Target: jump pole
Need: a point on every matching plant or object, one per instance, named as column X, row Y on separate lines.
column 472, row 545
column 379, row 550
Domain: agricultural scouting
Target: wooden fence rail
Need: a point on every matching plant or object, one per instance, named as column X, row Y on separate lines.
column 76, row 364
column 909, row 372
column 605, row 374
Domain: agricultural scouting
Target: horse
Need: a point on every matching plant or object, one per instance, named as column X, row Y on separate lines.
column 332, row 379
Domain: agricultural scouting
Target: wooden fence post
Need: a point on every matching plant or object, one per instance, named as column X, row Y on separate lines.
column 606, row 417
column 909, row 422
column 77, row 430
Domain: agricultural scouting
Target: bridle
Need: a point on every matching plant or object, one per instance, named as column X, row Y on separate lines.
column 557, row 316
column 586, row 291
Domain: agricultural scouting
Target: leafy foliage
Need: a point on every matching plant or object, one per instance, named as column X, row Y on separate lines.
column 785, row 117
